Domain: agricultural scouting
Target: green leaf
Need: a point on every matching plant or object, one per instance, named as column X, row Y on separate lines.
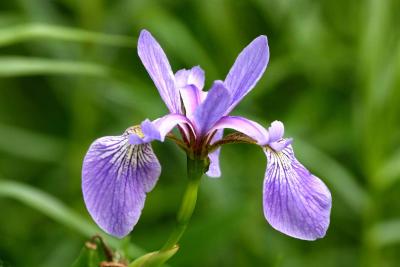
column 47, row 204
column 23, row 143
column 389, row 172
column 385, row 233
column 88, row 257
column 15, row 34
column 56, row 210
column 154, row 259
column 11, row 66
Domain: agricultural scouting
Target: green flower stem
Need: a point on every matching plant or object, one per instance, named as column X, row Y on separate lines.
column 195, row 170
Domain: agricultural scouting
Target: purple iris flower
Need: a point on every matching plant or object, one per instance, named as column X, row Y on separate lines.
column 118, row 171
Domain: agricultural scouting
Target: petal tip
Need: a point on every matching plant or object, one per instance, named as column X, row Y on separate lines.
column 144, row 33
column 262, row 39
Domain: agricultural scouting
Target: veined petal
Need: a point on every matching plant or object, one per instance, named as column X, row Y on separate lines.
column 115, row 179
column 296, row 202
column 246, row 126
column 247, row 69
column 212, row 109
column 157, row 129
column 157, row 65
column 214, row 169
column 195, row 76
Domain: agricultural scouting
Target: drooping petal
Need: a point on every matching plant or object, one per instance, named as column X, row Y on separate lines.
column 212, row 109
column 115, row 179
column 246, row 126
column 157, row 129
column 157, row 65
column 214, row 169
column 296, row 202
column 195, row 76
column 247, row 69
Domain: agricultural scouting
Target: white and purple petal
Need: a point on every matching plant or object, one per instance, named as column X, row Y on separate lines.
column 212, row 108
column 115, row 179
column 276, row 131
column 281, row 144
column 247, row 69
column 191, row 98
column 158, row 129
column 214, row 169
column 195, row 76
column 296, row 202
column 246, row 126
column 157, row 65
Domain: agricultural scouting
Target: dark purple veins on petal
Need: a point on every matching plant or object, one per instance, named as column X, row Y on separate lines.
column 115, row 179
column 296, row 202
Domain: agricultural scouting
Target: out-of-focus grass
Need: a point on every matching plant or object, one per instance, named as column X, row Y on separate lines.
column 69, row 74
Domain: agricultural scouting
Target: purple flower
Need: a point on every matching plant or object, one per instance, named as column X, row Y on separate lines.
column 119, row 171
column 296, row 202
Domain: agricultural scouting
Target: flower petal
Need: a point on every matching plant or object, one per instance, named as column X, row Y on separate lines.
column 214, row 169
column 191, row 98
column 157, row 129
column 296, row 202
column 157, row 65
column 115, row 179
column 276, row 131
column 281, row 144
column 212, row 109
column 247, row 69
column 195, row 76
column 243, row 125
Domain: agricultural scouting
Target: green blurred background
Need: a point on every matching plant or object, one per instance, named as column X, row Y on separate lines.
column 69, row 73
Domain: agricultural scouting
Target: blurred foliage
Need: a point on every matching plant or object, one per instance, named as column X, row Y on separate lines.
column 69, row 74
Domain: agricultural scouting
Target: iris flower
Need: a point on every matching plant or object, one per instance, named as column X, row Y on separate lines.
column 118, row 171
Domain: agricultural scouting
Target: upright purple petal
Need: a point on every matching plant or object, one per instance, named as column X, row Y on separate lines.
column 195, row 76
column 157, row 65
column 191, row 98
column 246, row 126
column 247, row 69
column 158, row 129
column 214, row 169
column 296, row 202
column 276, row 131
column 115, row 179
column 212, row 109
